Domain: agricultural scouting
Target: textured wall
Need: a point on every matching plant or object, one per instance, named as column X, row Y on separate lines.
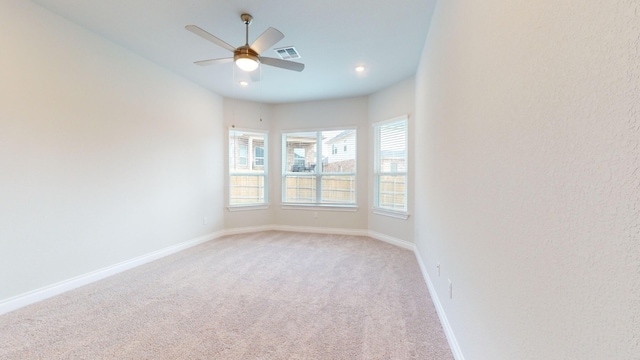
column 387, row 104
column 530, row 111
column 104, row 156
column 322, row 115
column 253, row 116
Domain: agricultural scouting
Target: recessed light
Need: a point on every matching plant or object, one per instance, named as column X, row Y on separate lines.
column 244, row 83
column 360, row 68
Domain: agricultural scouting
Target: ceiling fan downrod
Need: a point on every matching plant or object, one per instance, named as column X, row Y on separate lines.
column 246, row 19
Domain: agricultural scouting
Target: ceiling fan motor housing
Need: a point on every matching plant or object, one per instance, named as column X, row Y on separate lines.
column 248, row 56
column 245, row 52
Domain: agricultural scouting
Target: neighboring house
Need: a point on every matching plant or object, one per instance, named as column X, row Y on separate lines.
column 246, row 153
column 392, row 161
column 301, row 153
column 338, row 152
column 342, row 153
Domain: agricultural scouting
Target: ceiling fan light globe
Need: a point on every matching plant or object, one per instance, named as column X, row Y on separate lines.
column 247, row 64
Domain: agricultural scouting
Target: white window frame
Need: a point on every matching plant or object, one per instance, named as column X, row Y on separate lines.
column 243, row 160
column 250, row 162
column 256, row 157
column 377, row 172
column 317, row 172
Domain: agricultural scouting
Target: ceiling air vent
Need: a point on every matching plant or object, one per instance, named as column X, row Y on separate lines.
column 287, row 53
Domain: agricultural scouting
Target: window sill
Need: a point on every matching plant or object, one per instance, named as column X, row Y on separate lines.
column 321, row 207
column 390, row 213
column 247, row 207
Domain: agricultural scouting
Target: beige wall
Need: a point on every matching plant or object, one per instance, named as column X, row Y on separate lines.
column 321, row 115
column 387, row 104
column 278, row 118
column 358, row 112
column 529, row 118
column 104, row 156
column 251, row 116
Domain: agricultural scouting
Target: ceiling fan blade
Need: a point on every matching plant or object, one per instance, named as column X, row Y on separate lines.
column 213, row 61
column 205, row 35
column 266, row 40
column 284, row 64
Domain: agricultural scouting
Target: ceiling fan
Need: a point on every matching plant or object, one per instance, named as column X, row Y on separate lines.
column 247, row 57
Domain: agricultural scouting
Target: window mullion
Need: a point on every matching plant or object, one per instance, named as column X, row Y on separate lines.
column 305, row 178
column 248, row 182
column 318, row 172
column 376, row 166
column 391, row 155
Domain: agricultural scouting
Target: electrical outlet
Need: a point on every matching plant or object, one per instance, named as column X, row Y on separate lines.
column 450, row 289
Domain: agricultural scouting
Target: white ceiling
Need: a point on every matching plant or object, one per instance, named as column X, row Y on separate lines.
column 333, row 37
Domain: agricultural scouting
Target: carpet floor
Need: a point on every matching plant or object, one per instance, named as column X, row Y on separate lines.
column 268, row 295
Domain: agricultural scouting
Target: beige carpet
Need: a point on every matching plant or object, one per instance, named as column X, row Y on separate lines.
column 270, row 295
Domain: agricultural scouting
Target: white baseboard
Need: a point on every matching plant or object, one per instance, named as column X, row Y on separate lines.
column 46, row 292
column 16, row 302
column 247, row 230
column 448, row 331
column 321, row 230
column 392, row 240
column 300, row 229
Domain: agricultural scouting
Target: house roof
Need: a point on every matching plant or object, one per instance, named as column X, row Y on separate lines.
column 344, row 134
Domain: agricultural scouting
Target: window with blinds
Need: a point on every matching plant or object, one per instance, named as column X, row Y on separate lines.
column 247, row 167
column 390, row 165
column 319, row 167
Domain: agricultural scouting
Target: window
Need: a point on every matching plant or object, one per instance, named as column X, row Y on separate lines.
column 390, row 165
column 299, row 157
column 315, row 172
column 247, row 177
column 242, row 155
column 258, row 157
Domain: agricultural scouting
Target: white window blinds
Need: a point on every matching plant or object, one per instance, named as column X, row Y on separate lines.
column 390, row 167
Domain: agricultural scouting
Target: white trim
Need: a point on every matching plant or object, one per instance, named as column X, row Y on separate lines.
column 397, row 118
column 317, row 173
column 250, row 161
column 377, row 173
column 233, row 208
column 392, row 240
column 319, row 207
column 292, row 228
column 46, row 292
column 390, row 213
column 320, row 230
column 234, row 128
column 448, row 331
column 16, row 302
column 316, row 129
column 247, row 230
column 31, row 297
